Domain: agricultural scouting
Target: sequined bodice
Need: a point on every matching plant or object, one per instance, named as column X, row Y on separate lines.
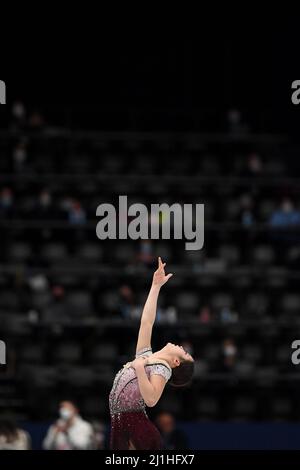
column 125, row 394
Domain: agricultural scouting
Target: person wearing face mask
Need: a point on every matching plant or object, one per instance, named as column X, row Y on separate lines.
column 70, row 431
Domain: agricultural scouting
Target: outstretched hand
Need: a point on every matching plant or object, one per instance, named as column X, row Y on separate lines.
column 160, row 277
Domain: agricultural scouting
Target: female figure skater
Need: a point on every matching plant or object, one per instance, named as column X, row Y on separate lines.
column 141, row 382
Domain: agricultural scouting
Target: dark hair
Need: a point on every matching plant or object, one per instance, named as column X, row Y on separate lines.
column 182, row 375
column 8, row 429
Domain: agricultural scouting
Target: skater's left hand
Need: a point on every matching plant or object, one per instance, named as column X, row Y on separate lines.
column 139, row 362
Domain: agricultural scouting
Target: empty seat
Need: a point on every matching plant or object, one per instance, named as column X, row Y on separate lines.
column 187, row 302
column 266, row 376
column 103, row 352
column 112, row 163
column 90, row 251
column 281, row 408
column 79, row 303
column 244, row 369
column 31, row 354
column 124, row 252
column 283, row 354
column 79, row 376
column 211, row 353
column 291, row 302
column 170, row 404
column 68, row 353
column 244, row 407
column 39, row 376
column 94, row 406
column 230, row 253
column 207, row 407
column 252, row 352
column 19, row 251
column 221, row 300
column 257, row 303
column 266, row 208
column 110, row 301
column 263, row 255
column 54, row 251
column 9, row 300
column 210, row 165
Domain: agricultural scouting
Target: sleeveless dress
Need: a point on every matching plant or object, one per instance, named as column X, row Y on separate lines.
column 129, row 420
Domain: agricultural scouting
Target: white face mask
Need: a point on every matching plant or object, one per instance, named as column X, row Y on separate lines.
column 65, row 414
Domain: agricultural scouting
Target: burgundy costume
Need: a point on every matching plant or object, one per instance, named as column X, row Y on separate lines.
column 129, row 421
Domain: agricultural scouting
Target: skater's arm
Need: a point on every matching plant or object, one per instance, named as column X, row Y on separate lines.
column 149, row 311
column 151, row 389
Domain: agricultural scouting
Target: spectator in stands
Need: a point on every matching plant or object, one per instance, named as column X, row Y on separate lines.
column 235, row 122
column 56, row 312
column 246, row 212
column 19, row 156
column 205, row 315
column 173, row 438
column 12, row 437
column 254, row 165
column 6, row 202
column 18, row 113
column 77, row 215
column 100, row 437
column 126, row 301
column 146, row 255
column 227, row 315
column 70, row 431
column 44, row 204
column 36, row 121
column 229, row 354
column 285, row 215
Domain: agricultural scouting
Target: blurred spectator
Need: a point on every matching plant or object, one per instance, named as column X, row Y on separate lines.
column 173, row 438
column 205, row 315
column 126, row 301
column 228, row 316
column 56, row 312
column 12, row 437
column 285, row 215
column 254, row 165
column 6, row 201
column 169, row 315
column 18, row 112
column 70, row 431
column 235, row 123
column 77, row 215
column 146, row 255
column 36, row 121
column 99, row 435
column 44, row 204
column 246, row 213
column 19, row 156
column 229, row 354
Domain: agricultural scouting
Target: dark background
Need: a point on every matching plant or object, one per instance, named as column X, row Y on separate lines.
column 211, row 65
column 185, row 79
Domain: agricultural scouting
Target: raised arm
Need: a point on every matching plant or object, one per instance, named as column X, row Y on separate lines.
column 149, row 311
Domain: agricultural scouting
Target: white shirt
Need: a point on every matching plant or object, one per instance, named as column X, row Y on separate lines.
column 79, row 436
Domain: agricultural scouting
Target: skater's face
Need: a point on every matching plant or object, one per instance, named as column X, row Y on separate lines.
column 178, row 353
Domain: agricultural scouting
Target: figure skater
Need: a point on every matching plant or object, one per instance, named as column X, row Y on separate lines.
column 140, row 383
